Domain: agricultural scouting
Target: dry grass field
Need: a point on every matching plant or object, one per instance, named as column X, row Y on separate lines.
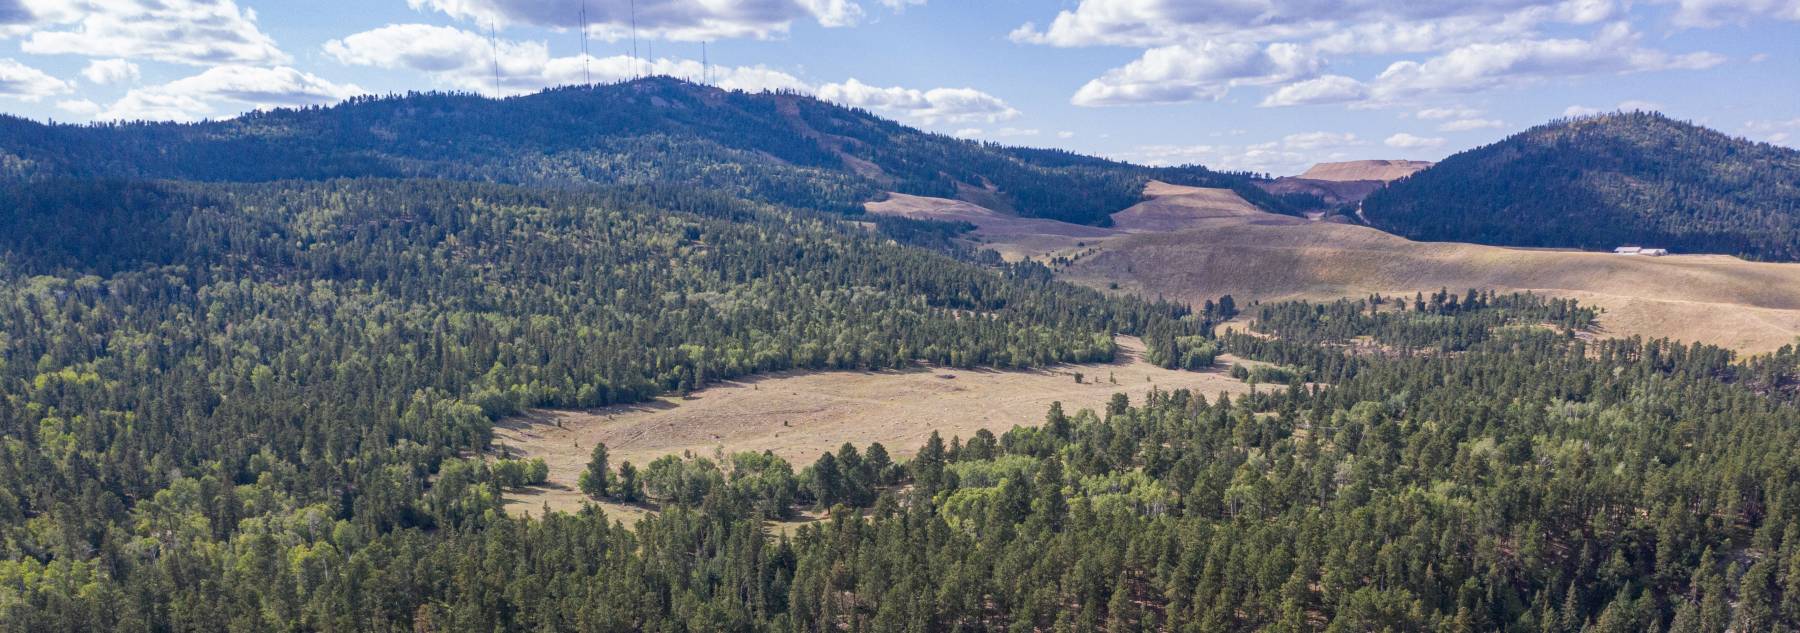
column 799, row 415
column 1182, row 243
column 1196, row 244
column 1348, row 171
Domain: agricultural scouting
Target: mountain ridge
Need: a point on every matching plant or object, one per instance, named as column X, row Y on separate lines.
column 1603, row 181
column 779, row 147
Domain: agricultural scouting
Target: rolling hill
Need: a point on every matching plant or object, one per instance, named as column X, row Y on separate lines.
column 1343, row 183
column 1604, row 181
column 1193, row 244
column 771, row 147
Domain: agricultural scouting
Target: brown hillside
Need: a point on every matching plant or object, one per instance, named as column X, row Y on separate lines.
column 1194, row 245
column 1379, row 170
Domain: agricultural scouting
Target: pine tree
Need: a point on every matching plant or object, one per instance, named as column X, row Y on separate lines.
column 594, row 481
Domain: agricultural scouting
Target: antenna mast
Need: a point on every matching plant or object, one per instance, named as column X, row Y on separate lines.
column 587, row 76
column 494, row 43
column 635, row 70
column 705, row 67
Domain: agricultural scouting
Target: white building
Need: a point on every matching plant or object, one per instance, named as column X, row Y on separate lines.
column 1639, row 250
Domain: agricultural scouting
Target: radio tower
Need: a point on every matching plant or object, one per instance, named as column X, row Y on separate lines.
column 705, row 67
column 494, row 43
column 634, row 51
column 587, row 76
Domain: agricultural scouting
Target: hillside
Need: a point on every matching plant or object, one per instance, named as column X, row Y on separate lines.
column 772, row 147
column 1344, row 183
column 1605, row 181
column 1192, row 245
column 1364, row 170
column 241, row 390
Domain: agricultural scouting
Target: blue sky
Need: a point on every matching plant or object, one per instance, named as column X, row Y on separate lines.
column 1262, row 85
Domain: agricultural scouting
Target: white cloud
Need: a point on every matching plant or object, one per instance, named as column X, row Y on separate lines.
column 243, row 87
column 1408, row 141
column 463, row 60
column 1148, row 23
column 1775, row 131
column 683, row 20
column 24, row 82
column 1635, row 105
column 1580, row 111
column 938, row 105
column 1291, row 154
column 968, row 132
column 79, row 107
column 1482, row 66
column 1205, row 71
column 1465, row 125
column 1457, row 112
column 197, row 32
column 1326, row 89
column 1199, row 51
column 1065, row 134
column 1319, row 140
column 107, row 71
column 1709, row 13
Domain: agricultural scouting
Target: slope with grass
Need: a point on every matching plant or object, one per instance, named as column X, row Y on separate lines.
column 1185, row 244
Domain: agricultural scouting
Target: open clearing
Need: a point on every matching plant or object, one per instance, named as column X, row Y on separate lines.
column 1194, row 244
column 799, row 415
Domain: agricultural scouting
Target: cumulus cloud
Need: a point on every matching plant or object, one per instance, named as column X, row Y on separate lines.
column 79, row 107
column 107, row 71
column 1408, row 141
column 684, row 20
column 196, row 32
column 1709, row 13
column 1775, row 131
column 462, row 60
column 1453, row 112
column 1148, row 23
column 1200, row 51
column 1291, row 154
column 24, row 82
column 1580, row 110
column 1195, row 72
column 231, row 86
column 1005, row 132
column 938, row 105
column 1326, row 89
column 1482, row 66
column 1466, row 125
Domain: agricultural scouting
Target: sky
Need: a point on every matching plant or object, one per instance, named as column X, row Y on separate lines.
column 1269, row 86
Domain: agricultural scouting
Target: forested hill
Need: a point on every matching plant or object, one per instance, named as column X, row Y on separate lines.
column 1605, row 181
column 782, row 148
